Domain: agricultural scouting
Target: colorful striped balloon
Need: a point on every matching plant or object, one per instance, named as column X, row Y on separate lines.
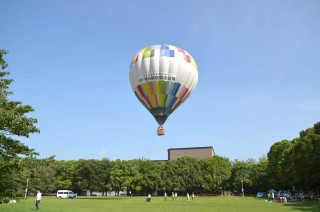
column 163, row 77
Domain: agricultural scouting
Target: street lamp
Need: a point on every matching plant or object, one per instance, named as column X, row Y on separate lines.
column 26, row 191
column 242, row 188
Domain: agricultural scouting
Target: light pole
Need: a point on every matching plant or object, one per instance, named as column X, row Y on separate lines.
column 26, row 191
column 242, row 188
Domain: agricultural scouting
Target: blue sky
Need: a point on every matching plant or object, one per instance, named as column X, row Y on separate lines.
column 259, row 74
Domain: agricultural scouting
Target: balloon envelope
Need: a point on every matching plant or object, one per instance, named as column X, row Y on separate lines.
column 163, row 77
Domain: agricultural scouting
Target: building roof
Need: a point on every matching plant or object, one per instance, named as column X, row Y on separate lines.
column 199, row 152
column 203, row 147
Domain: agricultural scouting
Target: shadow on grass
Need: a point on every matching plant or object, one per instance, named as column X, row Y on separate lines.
column 308, row 205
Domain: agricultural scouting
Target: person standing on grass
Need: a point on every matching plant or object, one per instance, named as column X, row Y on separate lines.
column 172, row 198
column 188, row 197
column 192, row 195
column 165, row 196
column 38, row 198
column 272, row 195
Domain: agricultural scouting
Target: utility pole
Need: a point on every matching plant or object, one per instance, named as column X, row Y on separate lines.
column 242, row 188
column 26, row 191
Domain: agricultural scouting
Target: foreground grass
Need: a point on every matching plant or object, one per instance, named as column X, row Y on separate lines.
column 92, row 204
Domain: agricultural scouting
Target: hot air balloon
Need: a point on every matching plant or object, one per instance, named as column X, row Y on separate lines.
column 163, row 77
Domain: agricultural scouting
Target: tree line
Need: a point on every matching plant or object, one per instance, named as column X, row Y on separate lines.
column 289, row 164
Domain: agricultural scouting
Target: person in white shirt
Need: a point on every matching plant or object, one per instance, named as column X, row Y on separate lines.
column 38, row 199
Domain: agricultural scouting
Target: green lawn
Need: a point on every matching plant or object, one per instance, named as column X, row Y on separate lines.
column 232, row 204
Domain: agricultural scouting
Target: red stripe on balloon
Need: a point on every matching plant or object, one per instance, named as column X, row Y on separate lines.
column 151, row 88
column 183, row 93
column 148, row 102
column 140, row 91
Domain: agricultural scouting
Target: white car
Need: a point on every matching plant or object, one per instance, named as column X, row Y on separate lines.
column 65, row 194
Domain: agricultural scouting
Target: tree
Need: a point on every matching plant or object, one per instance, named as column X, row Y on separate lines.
column 241, row 172
column 260, row 175
column 133, row 177
column 104, row 168
column 65, row 172
column 170, row 176
column 14, row 123
column 13, row 119
column 216, row 171
column 40, row 173
column 189, row 173
column 117, row 176
column 306, row 159
column 163, row 184
column 149, row 175
column 278, row 153
column 87, row 176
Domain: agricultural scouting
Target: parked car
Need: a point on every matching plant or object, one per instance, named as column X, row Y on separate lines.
column 262, row 195
column 65, row 194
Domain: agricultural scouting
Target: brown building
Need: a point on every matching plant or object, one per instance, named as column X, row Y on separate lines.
column 198, row 152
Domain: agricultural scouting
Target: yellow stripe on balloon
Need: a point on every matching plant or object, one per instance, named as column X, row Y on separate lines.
column 161, row 100
column 153, row 101
column 146, row 89
column 193, row 62
column 163, row 87
column 146, row 53
column 156, row 87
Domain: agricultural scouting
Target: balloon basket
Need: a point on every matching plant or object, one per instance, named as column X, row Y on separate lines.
column 161, row 131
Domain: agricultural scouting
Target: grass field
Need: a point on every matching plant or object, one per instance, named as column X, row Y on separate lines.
column 92, row 204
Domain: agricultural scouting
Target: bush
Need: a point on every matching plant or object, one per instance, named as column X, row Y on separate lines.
column 4, row 200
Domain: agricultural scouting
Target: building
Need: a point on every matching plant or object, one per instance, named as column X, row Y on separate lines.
column 197, row 152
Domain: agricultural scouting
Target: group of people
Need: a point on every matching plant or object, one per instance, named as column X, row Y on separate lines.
column 188, row 196
column 286, row 195
column 174, row 196
column 270, row 196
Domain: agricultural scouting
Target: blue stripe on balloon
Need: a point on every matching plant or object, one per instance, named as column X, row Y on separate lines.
column 176, row 87
column 171, row 53
column 172, row 101
column 164, row 47
column 165, row 52
column 169, row 88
